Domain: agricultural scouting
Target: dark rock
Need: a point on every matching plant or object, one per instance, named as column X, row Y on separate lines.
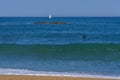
column 50, row 23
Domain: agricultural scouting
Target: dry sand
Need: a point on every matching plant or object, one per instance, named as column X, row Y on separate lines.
column 16, row 77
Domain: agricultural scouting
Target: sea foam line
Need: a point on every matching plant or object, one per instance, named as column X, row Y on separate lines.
column 45, row 73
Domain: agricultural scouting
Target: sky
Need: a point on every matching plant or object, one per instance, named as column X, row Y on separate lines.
column 59, row 8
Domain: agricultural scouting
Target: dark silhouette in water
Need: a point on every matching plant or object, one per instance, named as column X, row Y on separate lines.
column 50, row 23
column 84, row 36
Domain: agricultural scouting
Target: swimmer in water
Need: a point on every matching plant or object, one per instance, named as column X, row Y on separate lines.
column 84, row 36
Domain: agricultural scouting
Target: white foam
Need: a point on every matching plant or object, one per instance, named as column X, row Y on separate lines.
column 43, row 73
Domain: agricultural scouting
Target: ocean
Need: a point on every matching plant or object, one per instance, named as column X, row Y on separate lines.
column 84, row 47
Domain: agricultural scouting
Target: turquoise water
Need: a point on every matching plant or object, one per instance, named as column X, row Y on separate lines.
column 60, row 47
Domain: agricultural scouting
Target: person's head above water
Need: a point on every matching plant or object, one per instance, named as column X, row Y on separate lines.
column 84, row 36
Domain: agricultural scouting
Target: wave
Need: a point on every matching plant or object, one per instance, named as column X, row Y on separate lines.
column 104, row 52
column 43, row 73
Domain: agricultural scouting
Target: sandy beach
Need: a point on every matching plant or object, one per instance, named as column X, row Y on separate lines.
column 18, row 77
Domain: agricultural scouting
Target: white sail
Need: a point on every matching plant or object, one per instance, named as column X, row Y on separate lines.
column 50, row 16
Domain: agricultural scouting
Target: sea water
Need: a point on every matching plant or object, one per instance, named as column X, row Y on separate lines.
column 60, row 49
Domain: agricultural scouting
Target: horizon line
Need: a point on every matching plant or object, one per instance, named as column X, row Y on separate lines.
column 60, row 16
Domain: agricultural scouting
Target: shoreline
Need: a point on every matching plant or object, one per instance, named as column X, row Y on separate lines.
column 33, row 77
column 29, row 73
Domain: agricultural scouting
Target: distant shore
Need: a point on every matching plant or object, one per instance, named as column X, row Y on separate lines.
column 22, row 77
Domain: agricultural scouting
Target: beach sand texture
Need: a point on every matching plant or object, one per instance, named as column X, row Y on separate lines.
column 16, row 77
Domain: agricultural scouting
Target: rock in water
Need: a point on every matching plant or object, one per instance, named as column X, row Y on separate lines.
column 50, row 23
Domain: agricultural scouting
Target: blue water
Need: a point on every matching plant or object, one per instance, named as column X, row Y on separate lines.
column 23, row 31
column 61, row 47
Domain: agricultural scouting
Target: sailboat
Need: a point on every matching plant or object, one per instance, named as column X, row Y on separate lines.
column 50, row 16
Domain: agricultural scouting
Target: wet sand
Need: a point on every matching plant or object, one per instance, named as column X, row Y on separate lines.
column 18, row 77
